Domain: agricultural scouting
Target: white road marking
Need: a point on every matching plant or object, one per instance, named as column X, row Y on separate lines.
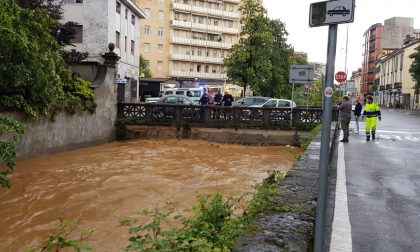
column 341, row 229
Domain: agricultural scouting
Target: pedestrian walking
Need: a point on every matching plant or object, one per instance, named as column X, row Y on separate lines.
column 357, row 114
column 345, row 116
column 372, row 112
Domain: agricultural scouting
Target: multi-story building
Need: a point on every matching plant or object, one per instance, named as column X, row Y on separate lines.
column 372, row 48
column 100, row 22
column 186, row 41
column 356, row 76
column 319, row 70
column 395, row 82
column 378, row 39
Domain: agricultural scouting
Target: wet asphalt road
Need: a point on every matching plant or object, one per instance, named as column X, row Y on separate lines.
column 383, row 185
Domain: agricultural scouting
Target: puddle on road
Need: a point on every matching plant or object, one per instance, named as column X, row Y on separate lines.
column 116, row 180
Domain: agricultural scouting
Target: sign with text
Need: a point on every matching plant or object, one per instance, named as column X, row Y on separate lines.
column 340, row 77
column 331, row 12
column 301, row 74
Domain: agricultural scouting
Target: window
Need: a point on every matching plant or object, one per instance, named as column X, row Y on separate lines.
column 160, row 48
column 118, row 8
column 160, row 32
column 160, row 65
column 161, row 14
column 132, row 46
column 74, row 1
column 125, row 43
column 146, row 30
column 198, row 68
column 147, row 11
column 133, row 19
column 176, row 16
column 146, row 47
column 117, row 39
column 126, row 13
column 78, row 36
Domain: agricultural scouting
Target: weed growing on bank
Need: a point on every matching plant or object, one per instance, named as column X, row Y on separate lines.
column 214, row 226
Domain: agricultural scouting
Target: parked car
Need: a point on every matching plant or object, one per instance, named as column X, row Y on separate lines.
column 276, row 103
column 250, row 101
column 194, row 94
column 176, row 99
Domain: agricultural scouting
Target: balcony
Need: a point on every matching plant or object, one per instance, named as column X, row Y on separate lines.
column 233, row 1
column 199, row 42
column 200, row 75
column 194, row 58
column 372, row 37
column 205, row 11
column 388, row 86
column 204, row 27
column 371, row 59
column 397, row 85
column 371, row 48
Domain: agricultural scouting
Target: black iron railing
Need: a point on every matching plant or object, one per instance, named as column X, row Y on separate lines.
column 222, row 117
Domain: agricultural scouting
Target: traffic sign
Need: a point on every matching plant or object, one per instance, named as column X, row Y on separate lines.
column 301, row 74
column 340, row 77
column 331, row 12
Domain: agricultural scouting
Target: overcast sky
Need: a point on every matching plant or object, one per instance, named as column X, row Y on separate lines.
column 313, row 41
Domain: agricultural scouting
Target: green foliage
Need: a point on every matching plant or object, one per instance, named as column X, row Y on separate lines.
column 304, row 143
column 415, row 70
column 60, row 240
column 249, row 63
column 9, row 129
column 32, row 72
column 79, row 96
column 315, row 94
column 144, row 69
column 213, row 227
column 33, row 76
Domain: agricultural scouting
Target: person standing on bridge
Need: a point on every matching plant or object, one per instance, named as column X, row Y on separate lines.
column 345, row 117
column 371, row 112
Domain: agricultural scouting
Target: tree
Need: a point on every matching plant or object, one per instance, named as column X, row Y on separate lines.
column 249, row 63
column 144, row 70
column 415, row 71
column 11, row 129
column 32, row 72
column 279, row 57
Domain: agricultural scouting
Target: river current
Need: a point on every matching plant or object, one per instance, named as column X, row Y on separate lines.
column 103, row 184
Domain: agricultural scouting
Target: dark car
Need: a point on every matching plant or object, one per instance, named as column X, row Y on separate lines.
column 339, row 10
column 250, row 101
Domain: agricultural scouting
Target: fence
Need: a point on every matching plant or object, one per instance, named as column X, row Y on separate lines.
column 221, row 117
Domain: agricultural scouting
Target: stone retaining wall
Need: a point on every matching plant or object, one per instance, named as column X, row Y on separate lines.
column 293, row 229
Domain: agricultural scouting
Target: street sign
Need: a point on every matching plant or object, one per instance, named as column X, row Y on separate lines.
column 301, row 74
column 340, row 77
column 331, row 12
column 121, row 80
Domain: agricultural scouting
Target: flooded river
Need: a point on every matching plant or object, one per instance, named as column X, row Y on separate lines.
column 106, row 183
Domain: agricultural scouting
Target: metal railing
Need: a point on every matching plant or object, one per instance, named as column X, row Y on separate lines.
column 220, row 116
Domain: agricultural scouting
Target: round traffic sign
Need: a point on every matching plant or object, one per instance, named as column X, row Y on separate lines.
column 328, row 91
column 340, row 77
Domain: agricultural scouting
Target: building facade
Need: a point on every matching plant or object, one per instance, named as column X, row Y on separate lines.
column 395, row 82
column 186, row 41
column 319, row 70
column 100, row 22
column 356, row 76
column 379, row 40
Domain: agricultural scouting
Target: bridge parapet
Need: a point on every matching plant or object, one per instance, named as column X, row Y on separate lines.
column 221, row 117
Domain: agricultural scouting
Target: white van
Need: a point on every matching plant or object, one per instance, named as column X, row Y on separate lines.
column 194, row 93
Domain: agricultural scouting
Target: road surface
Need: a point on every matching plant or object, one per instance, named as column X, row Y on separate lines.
column 377, row 203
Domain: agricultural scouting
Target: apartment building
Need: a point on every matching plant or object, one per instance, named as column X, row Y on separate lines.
column 319, row 70
column 379, row 40
column 185, row 41
column 356, row 76
column 395, row 82
column 100, row 22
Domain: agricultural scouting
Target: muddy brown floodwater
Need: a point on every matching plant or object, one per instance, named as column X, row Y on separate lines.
column 106, row 183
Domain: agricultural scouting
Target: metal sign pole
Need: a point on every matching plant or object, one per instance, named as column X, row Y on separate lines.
column 325, row 142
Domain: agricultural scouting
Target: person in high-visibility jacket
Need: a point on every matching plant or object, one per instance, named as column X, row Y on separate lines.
column 372, row 112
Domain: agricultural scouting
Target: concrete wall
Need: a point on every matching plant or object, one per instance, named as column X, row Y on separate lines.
column 66, row 131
